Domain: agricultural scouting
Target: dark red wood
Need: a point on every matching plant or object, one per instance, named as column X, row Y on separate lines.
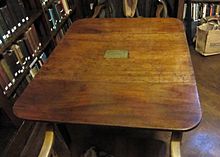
column 154, row 88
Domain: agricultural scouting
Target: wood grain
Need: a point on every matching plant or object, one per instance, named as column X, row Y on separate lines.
column 154, row 88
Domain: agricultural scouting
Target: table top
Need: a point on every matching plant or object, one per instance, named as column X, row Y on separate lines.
column 152, row 87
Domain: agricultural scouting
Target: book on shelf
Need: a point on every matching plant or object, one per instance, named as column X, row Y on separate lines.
column 33, row 62
column 41, row 29
column 34, row 70
column 7, row 18
column 32, row 40
column 202, row 10
column 7, row 70
column 35, row 37
column 40, row 63
column 11, row 66
column 22, row 48
column 22, row 9
column 2, row 83
column 12, row 16
column 4, row 79
column 63, row 30
column 66, row 7
column 53, row 23
column 43, row 57
column 13, row 63
column 57, row 12
column 29, row 78
column 19, row 54
column 35, row 66
column 60, row 11
column 184, row 10
column 211, row 10
column 217, row 13
column 17, row 12
column 26, row 47
column 50, row 22
column 5, row 31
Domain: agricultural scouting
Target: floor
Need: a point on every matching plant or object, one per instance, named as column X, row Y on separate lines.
column 204, row 141
column 7, row 130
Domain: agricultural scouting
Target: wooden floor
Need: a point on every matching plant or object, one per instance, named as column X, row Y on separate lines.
column 7, row 131
column 204, row 141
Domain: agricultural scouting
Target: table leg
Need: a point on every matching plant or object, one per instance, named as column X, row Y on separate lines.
column 60, row 144
column 63, row 130
column 175, row 144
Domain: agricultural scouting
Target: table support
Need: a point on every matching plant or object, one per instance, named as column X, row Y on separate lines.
column 175, row 144
column 63, row 130
column 60, row 144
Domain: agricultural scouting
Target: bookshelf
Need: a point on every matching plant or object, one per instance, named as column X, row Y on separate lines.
column 59, row 26
column 21, row 30
column 42, row 41
column 36, row 11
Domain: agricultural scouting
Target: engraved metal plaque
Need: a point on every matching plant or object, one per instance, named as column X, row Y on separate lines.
column 116, row 54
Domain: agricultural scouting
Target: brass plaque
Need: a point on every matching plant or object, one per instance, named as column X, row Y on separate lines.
column 116, row 54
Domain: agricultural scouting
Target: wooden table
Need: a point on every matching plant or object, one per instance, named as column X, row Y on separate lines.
column 82, row 83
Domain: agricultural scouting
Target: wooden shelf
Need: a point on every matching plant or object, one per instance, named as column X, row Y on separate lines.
column 20, row 31
column 45, row 44
column 17, row 82
column 48, row 43
column 26, row 71
column 61, row 24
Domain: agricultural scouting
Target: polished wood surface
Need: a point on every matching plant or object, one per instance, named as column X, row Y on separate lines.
column 154, row 88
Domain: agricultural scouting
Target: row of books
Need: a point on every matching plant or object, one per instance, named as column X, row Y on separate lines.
column 21, row 53
column 35, row 66
column 202, row 10
column 66, row 4
column 12, row 16
column 33, row 70
column 63, row 30
column 58, row 11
